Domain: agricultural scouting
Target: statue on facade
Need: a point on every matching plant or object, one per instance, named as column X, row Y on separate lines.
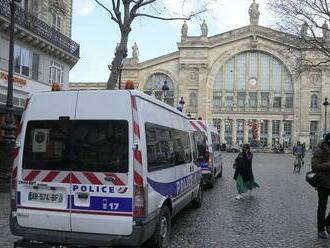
column 135, row 51
column 184, row 30
column 254, row 13
column 304, row 30
column 204, row 29
column 325, row 32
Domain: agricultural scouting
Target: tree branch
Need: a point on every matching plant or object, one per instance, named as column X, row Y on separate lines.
column 170, row 18
column 108, row 10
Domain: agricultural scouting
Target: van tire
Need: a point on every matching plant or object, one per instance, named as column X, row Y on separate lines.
column 198, row 201
column 220, row 174
column 158, row 240
column 210, row 184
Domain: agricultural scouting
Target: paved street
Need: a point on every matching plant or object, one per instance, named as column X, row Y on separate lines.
column 282, row 213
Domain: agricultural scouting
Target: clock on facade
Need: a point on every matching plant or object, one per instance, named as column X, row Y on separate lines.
column 252, row 83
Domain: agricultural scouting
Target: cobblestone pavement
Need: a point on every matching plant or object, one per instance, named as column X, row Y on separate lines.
column 282, row 213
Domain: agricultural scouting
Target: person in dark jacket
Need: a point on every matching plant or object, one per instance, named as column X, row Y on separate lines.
column 243, row 172
column 321, row 166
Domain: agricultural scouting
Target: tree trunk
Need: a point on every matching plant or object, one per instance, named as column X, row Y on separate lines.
column 120, row 54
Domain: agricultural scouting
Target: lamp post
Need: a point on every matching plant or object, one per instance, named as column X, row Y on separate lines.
column 9, row 127
column 165, row 88
column 325, row 104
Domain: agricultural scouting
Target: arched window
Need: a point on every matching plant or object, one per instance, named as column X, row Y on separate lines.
column 314, row 103
column 155, row 86
column 247, row 73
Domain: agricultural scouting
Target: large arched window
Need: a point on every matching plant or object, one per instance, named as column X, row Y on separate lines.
column 314, row 103
column 155, row 86
column 252, row 80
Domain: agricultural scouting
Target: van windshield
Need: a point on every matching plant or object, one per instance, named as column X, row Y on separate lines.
column 80, row 145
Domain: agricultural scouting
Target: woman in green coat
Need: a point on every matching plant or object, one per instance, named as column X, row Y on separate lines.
column 243, row 171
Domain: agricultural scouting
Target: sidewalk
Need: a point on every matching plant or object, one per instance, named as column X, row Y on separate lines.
column 6, row 239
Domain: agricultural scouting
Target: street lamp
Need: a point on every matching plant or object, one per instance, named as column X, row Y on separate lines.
column 165, row 88
column 325, row 104
column 9, row 127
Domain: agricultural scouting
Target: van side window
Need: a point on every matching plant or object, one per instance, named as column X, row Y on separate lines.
column 215, row 142
column 166, row 147
column 200, row 147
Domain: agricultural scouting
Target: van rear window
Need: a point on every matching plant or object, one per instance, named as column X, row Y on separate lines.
column 80, row 145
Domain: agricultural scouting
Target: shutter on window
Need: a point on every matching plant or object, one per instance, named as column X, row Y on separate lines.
column 35, row 66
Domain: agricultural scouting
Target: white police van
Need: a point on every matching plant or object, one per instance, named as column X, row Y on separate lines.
column 212, row 165
column 101, row 168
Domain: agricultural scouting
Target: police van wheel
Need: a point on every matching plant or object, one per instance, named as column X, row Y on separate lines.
column 197, row 202
column 161, row 237
column 210, row 183
column 220, row 174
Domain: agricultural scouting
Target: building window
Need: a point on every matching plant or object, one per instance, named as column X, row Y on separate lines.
column 241, row 99
column 277, row 102
column 264, row 99
column 56, row 71
column 26, row 62
column 56, row 22
column 217, row 100
column 154, row 86
column 228, row 131
column 229, row 101
column 253, row 99
column 241, row 71
column 276, row 128
column 22, row 60
column 314, row 103
column 289, row 101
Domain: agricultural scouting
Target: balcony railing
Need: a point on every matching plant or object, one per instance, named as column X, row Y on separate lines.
column 40, row 28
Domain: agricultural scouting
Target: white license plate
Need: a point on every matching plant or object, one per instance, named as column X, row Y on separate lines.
column 46, row 197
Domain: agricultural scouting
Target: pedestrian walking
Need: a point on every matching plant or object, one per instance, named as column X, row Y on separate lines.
column 243, row 172
column 321, row 167
column 299, row 154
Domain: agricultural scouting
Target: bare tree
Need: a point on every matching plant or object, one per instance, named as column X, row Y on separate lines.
column 124, row 12
column 308, row 21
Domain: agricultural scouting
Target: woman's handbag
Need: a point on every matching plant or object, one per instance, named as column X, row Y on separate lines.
column 315, row 179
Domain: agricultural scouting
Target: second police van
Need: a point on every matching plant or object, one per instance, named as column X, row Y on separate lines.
column 102, row 168
column 212, row 164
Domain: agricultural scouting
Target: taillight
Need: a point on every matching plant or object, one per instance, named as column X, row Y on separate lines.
column 139, row 201
column 210, row 161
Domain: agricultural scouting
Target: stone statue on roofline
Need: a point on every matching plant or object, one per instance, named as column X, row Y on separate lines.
column 204, row 29
column 254, row 13
column 135, row 51
column 184, row 30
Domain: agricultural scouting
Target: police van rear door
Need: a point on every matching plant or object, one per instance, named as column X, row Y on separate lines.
column 101, row 200
column 43, row 173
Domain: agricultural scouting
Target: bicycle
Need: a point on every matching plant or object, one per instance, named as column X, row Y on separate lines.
column 298, row 163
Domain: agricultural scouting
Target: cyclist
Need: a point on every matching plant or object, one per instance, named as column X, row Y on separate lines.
column 299, row 153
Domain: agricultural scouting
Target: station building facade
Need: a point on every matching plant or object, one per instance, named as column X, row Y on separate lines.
column 251, row 82
column 246, row 81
